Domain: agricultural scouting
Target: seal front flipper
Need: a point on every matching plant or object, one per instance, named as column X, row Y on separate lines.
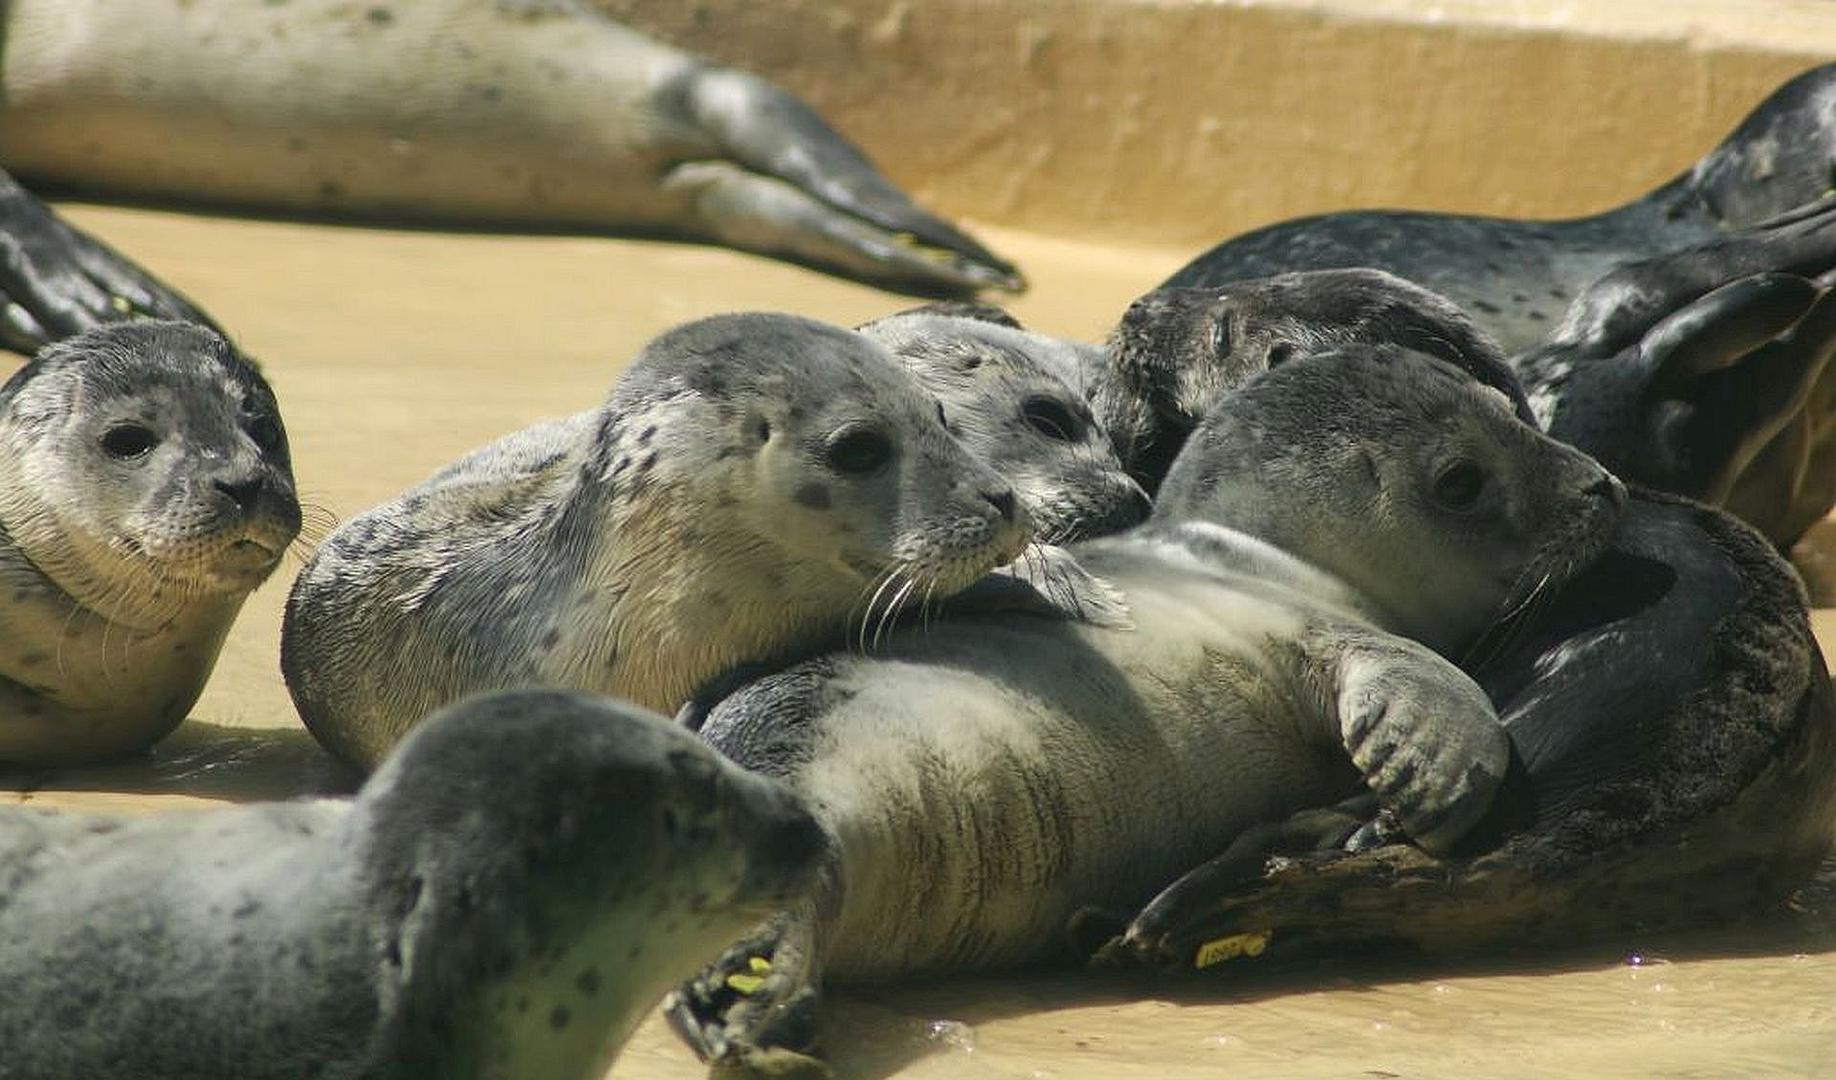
column 755, row 1007
column 57, row 280
column 1047, row 580
column 795, row 187
column 1423, row 734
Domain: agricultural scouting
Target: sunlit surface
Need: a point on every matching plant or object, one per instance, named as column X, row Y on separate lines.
column 393, row 352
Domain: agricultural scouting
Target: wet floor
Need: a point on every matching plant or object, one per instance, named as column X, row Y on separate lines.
column 393, row 352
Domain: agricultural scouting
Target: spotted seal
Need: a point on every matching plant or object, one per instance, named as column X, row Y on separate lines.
column 985, row 780
column 1017, row 399
column 751, row 485
column 533, row 112
column 145, row 489
column 1516, row 278
column 1676, row 732
column 507, row 896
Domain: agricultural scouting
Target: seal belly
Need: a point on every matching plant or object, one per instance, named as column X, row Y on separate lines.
column 1026, row 769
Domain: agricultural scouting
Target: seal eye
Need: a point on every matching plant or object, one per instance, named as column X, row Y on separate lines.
column 1459, row 485
column 858, row 451
column 126, row 441
column 1220, row 336
column 1280, row 354
column 1051, row 418
column 266, row 432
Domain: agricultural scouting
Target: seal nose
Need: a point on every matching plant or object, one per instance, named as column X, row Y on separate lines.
column 1609, row 488
column 1003, row 502
column 1144, row 506
column 242, row 492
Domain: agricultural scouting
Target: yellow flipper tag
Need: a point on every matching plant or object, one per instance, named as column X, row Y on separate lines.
column 749, row 981
column 1218, row 950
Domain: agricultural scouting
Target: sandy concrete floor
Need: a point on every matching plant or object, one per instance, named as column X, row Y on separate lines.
column 393, row 352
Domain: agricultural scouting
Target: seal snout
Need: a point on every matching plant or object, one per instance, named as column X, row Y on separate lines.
column 1003, row 502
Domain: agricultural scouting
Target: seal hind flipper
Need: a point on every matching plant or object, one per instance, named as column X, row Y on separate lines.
column 56, row 280
column 850, row 210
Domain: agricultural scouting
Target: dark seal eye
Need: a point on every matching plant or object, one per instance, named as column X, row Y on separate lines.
column 126, row 441
column 1280, row 353
column 1220, row 336
column 266, row 432
column 1051, row 418
column 858, row 451
column 1459, row 485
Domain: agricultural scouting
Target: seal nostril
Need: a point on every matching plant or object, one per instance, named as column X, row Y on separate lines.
column 241, row 492
column 1002, row 501
column 1606, row 487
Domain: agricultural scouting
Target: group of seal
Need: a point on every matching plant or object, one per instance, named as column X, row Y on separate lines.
column 1363, row 629
column 506, row 897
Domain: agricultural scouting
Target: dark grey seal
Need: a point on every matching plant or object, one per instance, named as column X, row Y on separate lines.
column 506, row 897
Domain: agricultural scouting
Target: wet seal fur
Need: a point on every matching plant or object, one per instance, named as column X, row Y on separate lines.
column 985, row 780
column 1018, row 400
column 1674, row 724
column 534, row 112
column 507, row 896
column 145, row 490
column 752, row 485
column 1177, row 351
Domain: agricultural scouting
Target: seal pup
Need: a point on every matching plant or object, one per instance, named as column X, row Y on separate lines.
column 983, row 782
column 751, row 485
column 145, row 490
column 520, row 112
column 1676, row 735
column 57, row 280
column 1177, row 351
column 1017, row 400
column 507, row 896
column 1516, row 277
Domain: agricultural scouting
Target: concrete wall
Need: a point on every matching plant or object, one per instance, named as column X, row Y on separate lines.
column 1182, row 121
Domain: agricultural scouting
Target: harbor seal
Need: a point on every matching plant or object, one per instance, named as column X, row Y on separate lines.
column 507, row 112
column 752, row 485
column 57, row 280
column 506, row 896
column 984, row 781
column 145, row 489
column 1674, row 722
column 1517, row 277
column 1017, row 400
column 1177, row 351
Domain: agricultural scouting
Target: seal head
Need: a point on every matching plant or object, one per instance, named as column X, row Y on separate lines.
column 1466, row 502
column 1178, row 350
column 1016, row 400
column 145, row 489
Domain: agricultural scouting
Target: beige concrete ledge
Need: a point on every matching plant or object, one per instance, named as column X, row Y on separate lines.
column 1182, row 121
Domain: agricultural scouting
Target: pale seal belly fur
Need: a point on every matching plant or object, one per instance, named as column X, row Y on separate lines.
column 145, row 490
column 506, row 897
column 1018, row 400
column 519, row 112
column 987, row 779
column 753, row 484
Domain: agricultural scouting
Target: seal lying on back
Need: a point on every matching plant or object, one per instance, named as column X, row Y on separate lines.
column 986, row 780
column 1677, row 736
column 1017, row 400
column 752, row 483
column 1516, row 277
column 539, row 112
column 506, row 897
column 145, row 489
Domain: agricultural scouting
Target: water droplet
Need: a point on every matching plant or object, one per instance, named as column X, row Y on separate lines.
column 951, row 1033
